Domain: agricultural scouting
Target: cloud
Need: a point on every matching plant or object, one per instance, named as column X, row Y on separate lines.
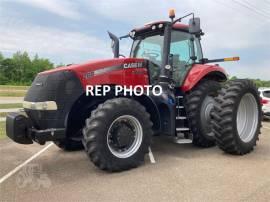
column 227, row 29
column 59, row 44
column 46, row 40
column 67, row 9
column 230, row 28
column 248, row 70
column 50, row 42
column 132, row 11
column 227, row 25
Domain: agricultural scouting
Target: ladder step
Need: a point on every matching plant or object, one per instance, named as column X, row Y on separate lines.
column 182, row 141
column 179, row 107
column 182, row 129
column 181, row 118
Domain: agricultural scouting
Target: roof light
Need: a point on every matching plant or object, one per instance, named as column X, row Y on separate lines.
column 172, row 13
column 154, row 27
column 160, row 26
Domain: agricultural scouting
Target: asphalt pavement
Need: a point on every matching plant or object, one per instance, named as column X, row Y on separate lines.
column 181, row 173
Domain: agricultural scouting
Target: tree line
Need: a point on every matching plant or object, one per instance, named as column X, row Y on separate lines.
column 258, row 82
column 20, row 69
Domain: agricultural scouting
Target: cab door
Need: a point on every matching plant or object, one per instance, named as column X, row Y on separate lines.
column 181, row 53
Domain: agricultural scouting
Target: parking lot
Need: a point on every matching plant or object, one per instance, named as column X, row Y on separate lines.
column 181, row 172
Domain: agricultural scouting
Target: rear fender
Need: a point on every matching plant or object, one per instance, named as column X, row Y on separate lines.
column 199, row 72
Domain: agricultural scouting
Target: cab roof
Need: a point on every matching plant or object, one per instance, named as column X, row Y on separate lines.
column 159, row 25
column 177, row 26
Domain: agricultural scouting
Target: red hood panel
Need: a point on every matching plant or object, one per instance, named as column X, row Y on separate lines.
column 118, row 71
column 94, row 65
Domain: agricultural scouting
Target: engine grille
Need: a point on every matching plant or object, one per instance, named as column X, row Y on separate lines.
column 63, row 87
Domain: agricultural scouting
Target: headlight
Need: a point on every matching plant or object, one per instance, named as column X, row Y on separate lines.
column 47, row 105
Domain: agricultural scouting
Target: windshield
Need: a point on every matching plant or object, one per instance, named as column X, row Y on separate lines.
column 151, row 48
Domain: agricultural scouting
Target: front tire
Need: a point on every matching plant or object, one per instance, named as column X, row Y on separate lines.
column 237, row 117
column 117, row 135
column 68, row 144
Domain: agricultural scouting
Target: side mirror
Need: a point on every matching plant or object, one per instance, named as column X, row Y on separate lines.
column 194, row 26
column 114, row 44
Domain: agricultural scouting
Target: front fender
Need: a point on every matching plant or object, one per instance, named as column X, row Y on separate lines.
column 199, row 71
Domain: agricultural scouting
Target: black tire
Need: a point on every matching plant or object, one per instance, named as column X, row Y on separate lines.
column 202, row 132
column 96, row 131
column 69, row 145
column 225, row 115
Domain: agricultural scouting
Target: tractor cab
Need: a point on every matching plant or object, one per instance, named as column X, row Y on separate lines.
column 167, row 44
column 185, row 49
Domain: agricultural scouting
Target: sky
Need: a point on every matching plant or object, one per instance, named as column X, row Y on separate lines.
column 67, row 31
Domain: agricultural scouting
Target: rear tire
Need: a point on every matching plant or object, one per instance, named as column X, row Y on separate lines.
column 237, row 117
column 118, row 134
column 200, row 101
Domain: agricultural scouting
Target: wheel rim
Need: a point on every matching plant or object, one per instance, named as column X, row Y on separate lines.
column 124, row 136
column 205, row 115
column 247, row 117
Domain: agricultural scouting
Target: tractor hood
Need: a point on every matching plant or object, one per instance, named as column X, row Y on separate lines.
column 98, row 64
column 64, row 85
column 111, row 71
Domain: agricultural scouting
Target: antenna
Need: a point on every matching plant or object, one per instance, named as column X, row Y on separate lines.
column 179, row 19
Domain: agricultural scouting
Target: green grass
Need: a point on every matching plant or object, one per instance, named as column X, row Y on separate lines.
column 12, row 93
column 11, row 105
column 3, row 114
column 2, row 129
column 10, row 87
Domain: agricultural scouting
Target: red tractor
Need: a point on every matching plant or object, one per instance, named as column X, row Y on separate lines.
column 196, row 105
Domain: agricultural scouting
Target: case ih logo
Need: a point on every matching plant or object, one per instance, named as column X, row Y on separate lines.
column 133, row 65
column 112, row 68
